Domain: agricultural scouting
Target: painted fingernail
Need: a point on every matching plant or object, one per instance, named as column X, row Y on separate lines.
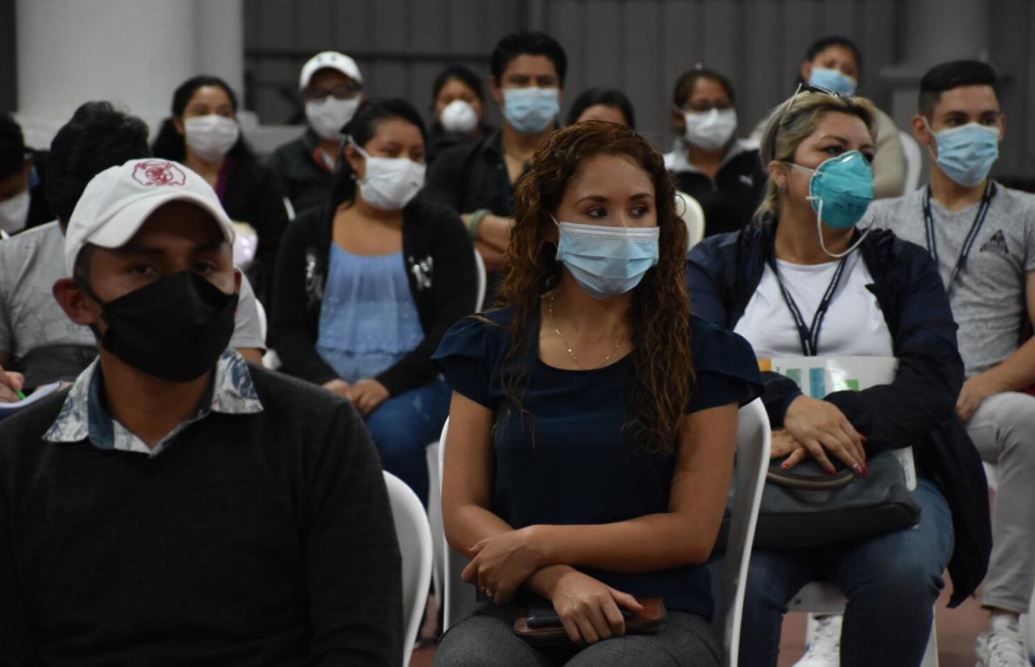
column 866, row 470
column 786, row 465
column 858, row 469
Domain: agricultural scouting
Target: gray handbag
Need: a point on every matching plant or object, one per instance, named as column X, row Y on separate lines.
column 808, row 507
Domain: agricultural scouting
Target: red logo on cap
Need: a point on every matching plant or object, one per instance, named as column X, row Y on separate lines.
column 159, row 172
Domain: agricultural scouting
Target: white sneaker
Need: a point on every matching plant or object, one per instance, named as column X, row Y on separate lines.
column 1002, row 645
column 824, row 648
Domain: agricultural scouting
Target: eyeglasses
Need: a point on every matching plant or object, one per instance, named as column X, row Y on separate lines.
column 345, row 91
column 802, row 88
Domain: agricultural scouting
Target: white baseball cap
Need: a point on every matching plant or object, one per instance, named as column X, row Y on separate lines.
column 117, row 201
column 331, row 60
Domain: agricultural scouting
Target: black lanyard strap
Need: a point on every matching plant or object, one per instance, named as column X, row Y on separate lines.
column 968, row 242
column 809, row 335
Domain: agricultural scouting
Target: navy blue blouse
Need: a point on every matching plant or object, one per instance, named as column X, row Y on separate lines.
column 578, row 461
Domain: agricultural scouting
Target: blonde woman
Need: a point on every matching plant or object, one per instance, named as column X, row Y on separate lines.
column 804, row 280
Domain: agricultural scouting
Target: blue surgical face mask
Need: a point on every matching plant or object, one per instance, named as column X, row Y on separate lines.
column 833, row 80
column 607, row 261
column 966, row 154
column 531, row 110
column 840, row 191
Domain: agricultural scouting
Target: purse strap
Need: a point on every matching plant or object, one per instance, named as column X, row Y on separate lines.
column 795, row 480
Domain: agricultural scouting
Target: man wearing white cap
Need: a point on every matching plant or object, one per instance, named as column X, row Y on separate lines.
column 331, row 86
column 176, row 505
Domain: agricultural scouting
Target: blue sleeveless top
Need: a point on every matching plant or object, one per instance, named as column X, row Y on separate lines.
column 368, row 320
column 578, row 465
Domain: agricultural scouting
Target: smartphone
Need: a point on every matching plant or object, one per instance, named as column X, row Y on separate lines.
column 545, row 616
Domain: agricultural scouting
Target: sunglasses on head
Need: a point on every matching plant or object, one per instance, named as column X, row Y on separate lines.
column 802, row 87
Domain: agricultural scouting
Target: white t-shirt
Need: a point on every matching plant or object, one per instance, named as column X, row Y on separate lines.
column 854, row 324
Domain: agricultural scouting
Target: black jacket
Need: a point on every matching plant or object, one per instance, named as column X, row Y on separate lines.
column 307, row 181
column 729, row 201
column 440, row 268
column 917, row 409
column 472, row 175
column 254, row 195
column 440, row 140
column 39, row 208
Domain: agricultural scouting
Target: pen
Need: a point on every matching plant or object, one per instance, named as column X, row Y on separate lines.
column 20, row 395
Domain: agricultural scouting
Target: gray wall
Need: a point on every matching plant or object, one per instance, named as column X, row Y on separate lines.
column 639, row 46
column 8, row 64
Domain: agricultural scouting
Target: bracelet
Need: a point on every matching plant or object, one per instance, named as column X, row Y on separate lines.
column 474, row 222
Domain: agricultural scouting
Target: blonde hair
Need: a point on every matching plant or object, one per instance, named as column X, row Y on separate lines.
column 793, row 122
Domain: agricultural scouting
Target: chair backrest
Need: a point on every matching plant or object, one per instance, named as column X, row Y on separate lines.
column 753, row 445
column 460, row 597
column 482, row 278
column 435, row 520
column 414, row 535
column 914, row 160
column 693, row 216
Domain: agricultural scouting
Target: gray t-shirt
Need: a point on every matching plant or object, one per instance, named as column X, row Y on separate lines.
column 30, row 317
column 988, row 299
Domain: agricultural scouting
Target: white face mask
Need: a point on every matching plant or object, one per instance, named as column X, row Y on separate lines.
column 710, row 130
column 458, row 116
column 329, row 115
column 14, row 212
column 211, row 137
column 390, row 183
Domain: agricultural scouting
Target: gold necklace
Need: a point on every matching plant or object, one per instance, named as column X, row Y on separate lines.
column 567, row 345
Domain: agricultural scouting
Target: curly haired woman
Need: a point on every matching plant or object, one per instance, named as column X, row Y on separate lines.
column 593, row 420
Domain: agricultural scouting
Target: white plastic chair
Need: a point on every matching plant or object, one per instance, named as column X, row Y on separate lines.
column 414, row 535
column 459, row 597
column 482, row 278
column 692, row 215
column 914, row 161
column 438, row 538
column 753, row 444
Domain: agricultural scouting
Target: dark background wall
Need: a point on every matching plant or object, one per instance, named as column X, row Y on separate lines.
column 8, row 64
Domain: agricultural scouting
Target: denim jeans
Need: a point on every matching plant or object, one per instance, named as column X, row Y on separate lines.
column 891, row 582
column 404, row 425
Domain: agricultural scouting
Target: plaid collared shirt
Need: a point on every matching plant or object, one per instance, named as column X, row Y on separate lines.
column 84, row 417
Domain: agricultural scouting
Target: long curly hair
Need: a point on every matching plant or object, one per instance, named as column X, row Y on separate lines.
column 659, row 317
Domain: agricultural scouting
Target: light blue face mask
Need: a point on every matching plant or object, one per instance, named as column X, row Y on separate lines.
column 607, row 261
column 840, row 191
column 531, row 110
column 833, row 80
column 966, row 154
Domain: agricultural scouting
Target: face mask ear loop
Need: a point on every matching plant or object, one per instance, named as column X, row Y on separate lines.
column 934, row 135
column 822, row 243
column 362, row 153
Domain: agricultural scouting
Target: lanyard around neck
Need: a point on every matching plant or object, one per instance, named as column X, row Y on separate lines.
column 968, row 243
column 809, row 335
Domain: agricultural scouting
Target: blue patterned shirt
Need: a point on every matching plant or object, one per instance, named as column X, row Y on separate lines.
column 84, row 416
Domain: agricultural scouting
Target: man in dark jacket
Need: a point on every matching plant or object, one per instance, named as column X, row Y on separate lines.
column 331, row 86
column 477, row 179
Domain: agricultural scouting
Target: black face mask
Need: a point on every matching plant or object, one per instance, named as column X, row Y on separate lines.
column 174, row 329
